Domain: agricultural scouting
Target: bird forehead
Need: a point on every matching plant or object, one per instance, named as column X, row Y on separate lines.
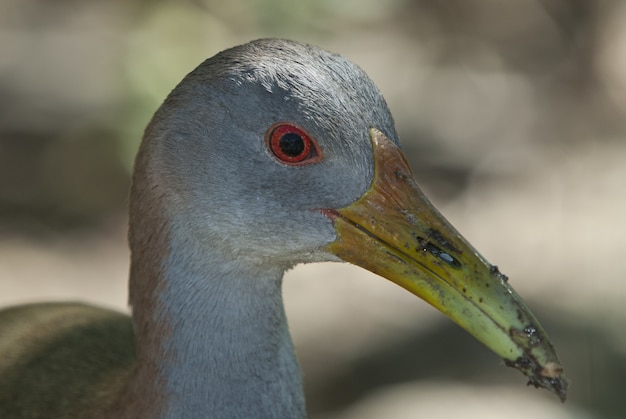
column 298, row 71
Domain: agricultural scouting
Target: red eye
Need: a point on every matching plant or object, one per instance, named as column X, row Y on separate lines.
column 292, row 145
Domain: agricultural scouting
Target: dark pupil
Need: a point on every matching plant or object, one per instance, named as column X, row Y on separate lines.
column 291, row 144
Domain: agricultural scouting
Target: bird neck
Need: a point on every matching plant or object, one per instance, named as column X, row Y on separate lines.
column 211, row 336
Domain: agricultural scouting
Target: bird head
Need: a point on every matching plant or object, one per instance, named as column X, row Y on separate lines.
column 276, row 153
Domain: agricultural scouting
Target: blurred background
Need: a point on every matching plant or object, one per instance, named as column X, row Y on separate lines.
column 511, row 113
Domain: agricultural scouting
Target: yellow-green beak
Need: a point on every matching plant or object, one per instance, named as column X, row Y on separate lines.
column 394, row 231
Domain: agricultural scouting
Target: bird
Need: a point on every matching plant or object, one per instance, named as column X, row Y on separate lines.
column 270, row 154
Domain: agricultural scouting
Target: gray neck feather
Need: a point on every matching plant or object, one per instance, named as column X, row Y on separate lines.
column 218, row 343
column 229, row 351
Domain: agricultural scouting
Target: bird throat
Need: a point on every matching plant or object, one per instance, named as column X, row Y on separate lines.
column 220, row 335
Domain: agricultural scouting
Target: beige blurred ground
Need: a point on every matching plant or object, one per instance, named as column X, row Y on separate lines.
column 511, row 114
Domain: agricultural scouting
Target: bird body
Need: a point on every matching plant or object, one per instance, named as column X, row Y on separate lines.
column 62, row 360
column 267, row 155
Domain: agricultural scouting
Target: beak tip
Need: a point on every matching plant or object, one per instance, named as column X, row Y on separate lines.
column 550, row 376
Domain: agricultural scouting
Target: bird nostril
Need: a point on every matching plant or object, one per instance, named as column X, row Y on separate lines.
column 427, row 247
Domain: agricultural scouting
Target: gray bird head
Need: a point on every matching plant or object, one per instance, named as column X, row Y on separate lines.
column 210, row 141
column 275, row 153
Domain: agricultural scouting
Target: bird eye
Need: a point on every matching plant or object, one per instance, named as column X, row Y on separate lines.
column 292, row 145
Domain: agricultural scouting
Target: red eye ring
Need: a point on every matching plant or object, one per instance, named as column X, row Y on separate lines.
column 291, row 145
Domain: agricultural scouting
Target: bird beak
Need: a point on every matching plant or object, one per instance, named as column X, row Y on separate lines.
column 394, row 231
